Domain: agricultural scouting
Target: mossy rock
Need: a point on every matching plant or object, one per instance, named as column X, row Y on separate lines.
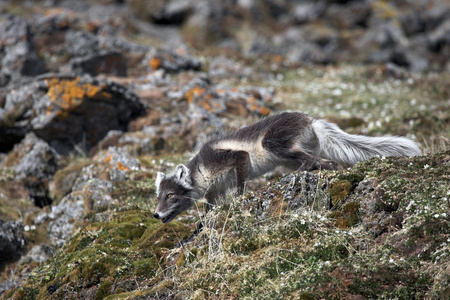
column 339, row 191
column 131, row 244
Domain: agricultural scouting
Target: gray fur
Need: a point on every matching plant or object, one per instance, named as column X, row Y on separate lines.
column 349, row 149
column 294, row 140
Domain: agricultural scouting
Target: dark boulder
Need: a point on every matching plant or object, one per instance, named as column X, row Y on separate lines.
column 70, row 113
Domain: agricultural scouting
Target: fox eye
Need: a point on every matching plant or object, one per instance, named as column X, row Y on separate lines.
column 170, row 195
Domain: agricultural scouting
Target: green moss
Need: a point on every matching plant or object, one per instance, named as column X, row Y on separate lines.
column 161, row 236
column 339, row 191
column 347, row 216
column 64, row 179
column 103, row 290
column 145, row 267
column 130, row 244
column 138, row 193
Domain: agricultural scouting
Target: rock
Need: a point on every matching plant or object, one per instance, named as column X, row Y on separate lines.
column 277, row 9
column 39, row 254
column 172, row 61
column 173, row 12
column 34, row 163
column 81, row 43
column 308, row 11
column 91, row 190
column 349, row 15
column 120, row 163
column 93, row 54
column 147, row 9
column 308, row 53
column 61, row 218
column 374, row 218
column 134, row 54
column 134, row 143
column 440, row 36
column 413, row 58
column 68, row 112
column 378, row 43
column 296, row 191
column 302, row 190
column 17, row 57
column 221, row 67
column 104, row 62
column 64, row 179
column 12, row 241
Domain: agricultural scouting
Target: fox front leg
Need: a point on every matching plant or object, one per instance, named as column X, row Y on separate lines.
column 242, row 167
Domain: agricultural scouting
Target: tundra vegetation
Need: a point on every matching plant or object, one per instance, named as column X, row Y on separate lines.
column 380, row 229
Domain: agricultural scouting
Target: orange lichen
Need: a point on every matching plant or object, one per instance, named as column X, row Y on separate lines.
column 108, row 158
column 122, row 167
column 194, row 92
column 254, row 107
column 264, row 111
column 221, row 91
column 180, row 51
column 277, row 59
column 53, row 12
column 155, row 63
column 92, row 26
column 206, row 105
column 66, row 95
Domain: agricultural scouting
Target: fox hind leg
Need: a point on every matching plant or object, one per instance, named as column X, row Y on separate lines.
column 302, row 161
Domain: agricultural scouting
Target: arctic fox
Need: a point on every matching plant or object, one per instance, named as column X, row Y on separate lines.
column 291, row 139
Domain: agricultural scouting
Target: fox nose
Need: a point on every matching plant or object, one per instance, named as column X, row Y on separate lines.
column 156, row 216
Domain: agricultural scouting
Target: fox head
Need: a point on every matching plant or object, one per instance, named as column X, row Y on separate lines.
column 174, row 193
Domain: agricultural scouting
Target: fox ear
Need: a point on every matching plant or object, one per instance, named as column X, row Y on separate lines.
column 183, row 176
column 159, row 177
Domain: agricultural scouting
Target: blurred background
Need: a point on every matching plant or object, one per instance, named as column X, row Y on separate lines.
column 414, row 34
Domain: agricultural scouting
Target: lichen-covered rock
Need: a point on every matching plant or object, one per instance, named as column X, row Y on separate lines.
column 69, row 113
column 113, row 164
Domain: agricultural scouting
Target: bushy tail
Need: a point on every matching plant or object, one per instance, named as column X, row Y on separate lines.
column 349, row 149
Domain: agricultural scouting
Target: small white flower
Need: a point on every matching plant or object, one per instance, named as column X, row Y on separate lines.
column 426, row 166
column 436, row 216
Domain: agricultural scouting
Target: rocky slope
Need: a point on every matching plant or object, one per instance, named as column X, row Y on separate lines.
column 98, row 96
